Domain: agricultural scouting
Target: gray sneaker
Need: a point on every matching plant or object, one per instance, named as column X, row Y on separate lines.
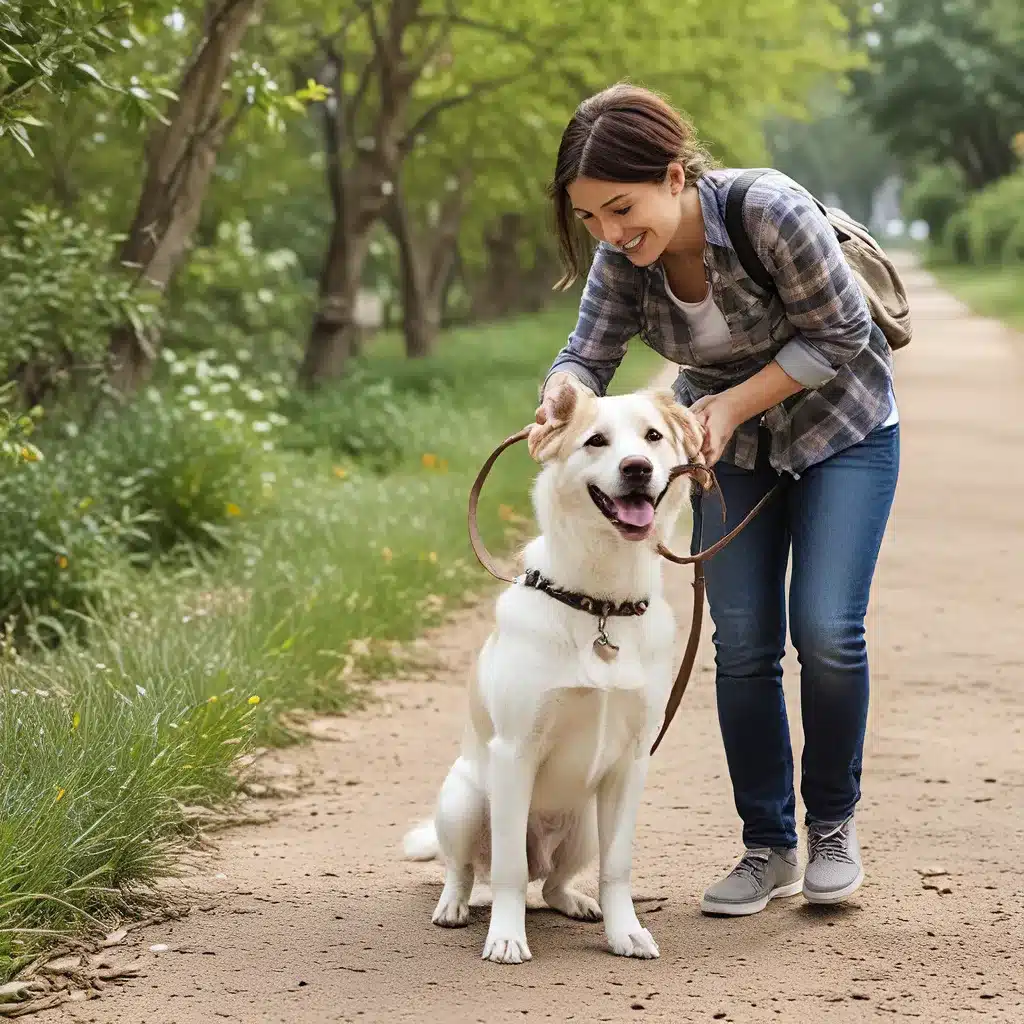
column 834, row 870
column 760, row 876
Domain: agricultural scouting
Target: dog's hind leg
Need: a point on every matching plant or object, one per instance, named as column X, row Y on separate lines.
column 571, row 856
column 461, row 816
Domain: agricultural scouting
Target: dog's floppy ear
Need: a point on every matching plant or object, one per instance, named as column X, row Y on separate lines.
column 546, row 438
column 688, row 433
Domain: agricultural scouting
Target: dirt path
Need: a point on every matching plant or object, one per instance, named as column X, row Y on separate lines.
column 315, row 918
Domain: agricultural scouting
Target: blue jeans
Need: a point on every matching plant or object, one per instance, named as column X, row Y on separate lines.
column 833, row 516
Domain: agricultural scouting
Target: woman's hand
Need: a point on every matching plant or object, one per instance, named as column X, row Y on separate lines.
column 719, row 416
column 546, row 409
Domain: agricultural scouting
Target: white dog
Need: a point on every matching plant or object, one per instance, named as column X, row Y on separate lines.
column 556, row 749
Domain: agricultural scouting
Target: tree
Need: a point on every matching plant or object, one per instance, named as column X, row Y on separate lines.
column 945, row 83
column 180, row 156
column 393, row 68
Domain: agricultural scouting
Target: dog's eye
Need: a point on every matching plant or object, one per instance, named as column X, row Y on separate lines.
column 596, row 441
column 652, row 436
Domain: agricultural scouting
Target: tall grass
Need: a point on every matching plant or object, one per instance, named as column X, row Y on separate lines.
column 109, row 743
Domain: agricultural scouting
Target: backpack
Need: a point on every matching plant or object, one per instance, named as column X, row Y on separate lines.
column 874, row 272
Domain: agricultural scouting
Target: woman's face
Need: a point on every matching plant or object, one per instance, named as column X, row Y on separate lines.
column 640, row 219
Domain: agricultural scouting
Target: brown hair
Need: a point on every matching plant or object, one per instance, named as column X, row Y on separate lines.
column 623, row 133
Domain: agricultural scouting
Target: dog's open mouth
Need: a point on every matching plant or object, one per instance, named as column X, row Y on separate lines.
column 632, row 514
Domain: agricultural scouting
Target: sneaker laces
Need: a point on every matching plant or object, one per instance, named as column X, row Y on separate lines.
column 829, row 845
column 752, row 865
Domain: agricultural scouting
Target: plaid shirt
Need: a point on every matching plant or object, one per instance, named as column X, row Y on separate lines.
column 817, row 326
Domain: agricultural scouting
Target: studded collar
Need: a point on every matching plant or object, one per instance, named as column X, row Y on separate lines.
column 582, row 602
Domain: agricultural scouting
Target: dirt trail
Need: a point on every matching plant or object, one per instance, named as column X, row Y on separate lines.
column 315, row 917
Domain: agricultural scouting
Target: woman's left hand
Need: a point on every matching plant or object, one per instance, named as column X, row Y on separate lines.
column 719, row 417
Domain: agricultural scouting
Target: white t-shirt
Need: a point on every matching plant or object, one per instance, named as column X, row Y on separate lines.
column 709, row 335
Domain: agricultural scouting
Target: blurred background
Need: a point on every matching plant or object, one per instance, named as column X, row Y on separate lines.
column 275, row 277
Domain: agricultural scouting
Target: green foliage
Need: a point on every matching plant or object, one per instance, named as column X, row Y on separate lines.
column 944, row 83
column 191, row 455
column 53, row 47
column 987, row 230
column 15, row 429
column 935, row 196
column 61, row 295
column 64, row 527
column 176, row 471
column 1013, row 247
column 241, row 299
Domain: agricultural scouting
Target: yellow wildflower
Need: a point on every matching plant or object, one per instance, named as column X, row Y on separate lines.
column 29, row 454
column 340, row 472
column 429, row 460
column 211, row 700
column 386, row 554
column 59, row 797
column 232, row 509
column 62, row 562
column 254, row 699
column 76, row 720
column 432, row 557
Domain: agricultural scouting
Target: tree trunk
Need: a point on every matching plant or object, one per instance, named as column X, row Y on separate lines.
column 426, row 264
column 334, row 336
column 180, row 159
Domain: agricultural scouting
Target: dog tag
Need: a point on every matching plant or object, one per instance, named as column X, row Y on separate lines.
column 603, row 647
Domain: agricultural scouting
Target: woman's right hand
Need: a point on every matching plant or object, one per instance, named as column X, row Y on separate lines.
column 546, row 409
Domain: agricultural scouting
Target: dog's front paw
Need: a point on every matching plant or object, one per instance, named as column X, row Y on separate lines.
column 451, row 912
column 573, row 904
column 501, row 950
column 640, row 944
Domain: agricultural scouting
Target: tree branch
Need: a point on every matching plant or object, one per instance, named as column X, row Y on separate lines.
column 433, row 112
column 510, row 35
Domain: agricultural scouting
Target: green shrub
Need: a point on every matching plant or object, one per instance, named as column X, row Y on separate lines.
column 61, row 296
column 191, row 452
column 935, row 196
column 232, row 292
column 174, row 470
column 956, row 239
column 62, row 538
column 15, row 428
column 1013, row 247
column 981, row 231
column 367, row 419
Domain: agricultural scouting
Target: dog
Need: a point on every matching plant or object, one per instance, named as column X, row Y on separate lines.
column 566, row 704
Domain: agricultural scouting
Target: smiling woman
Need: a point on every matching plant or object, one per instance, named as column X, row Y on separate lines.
column 790, row 378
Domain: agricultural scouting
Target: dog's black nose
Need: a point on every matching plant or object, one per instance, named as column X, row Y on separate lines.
column 636, row 469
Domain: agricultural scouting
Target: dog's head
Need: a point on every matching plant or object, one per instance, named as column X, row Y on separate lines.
column 607, row 461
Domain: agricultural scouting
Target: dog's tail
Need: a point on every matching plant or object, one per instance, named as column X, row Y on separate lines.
column 421, row 843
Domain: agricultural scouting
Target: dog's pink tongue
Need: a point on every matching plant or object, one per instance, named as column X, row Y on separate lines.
column 634, row 511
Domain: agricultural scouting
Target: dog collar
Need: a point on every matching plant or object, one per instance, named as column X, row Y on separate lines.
column 582, row 602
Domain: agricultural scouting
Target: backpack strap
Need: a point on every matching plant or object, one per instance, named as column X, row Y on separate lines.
column 738, row 189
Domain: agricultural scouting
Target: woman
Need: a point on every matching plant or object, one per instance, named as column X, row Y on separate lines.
column 795, row 382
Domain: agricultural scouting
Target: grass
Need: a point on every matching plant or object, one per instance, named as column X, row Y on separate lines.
column 996, row 291
column 112, row 746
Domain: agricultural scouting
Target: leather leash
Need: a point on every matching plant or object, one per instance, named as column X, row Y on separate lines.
column 697, row 561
